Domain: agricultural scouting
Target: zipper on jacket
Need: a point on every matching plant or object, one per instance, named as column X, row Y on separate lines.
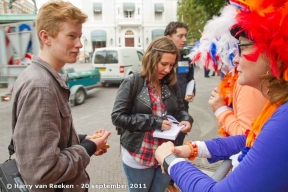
column 145, row 104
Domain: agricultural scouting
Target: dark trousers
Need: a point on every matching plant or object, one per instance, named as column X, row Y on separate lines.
column 180, row 139
column 206, row 72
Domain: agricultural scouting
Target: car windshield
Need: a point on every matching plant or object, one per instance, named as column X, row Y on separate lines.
column 106, row 57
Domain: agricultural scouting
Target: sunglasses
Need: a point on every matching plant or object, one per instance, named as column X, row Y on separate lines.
column 243, row 45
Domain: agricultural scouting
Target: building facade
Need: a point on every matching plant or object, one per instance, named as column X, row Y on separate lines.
column 125, row 23
column 18, row 7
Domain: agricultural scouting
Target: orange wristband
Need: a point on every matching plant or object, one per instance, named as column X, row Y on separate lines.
column 194, row 150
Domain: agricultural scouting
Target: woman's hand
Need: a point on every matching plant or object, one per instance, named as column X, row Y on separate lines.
column 216, row 100
column 187, row 127
column 166, row 125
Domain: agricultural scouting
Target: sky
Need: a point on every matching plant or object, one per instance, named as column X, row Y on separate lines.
column 39, row 3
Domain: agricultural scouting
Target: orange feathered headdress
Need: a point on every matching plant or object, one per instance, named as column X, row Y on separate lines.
column 265, row 22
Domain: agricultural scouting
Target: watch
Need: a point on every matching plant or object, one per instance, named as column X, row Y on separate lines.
column 168, row 160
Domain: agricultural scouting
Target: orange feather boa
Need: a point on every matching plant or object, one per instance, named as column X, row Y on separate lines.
column 226, row 87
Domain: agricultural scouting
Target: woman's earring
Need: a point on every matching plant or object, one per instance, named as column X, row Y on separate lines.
column 268, row 90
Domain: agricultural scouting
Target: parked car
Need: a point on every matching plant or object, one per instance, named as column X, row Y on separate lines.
column 116, row 63
column 79, row 82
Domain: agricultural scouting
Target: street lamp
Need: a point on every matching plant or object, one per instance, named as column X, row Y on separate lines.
column 84, row 42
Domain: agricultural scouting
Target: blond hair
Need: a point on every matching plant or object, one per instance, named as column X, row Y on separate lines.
column 153, row 56
column 277, row 88
column 55, row 12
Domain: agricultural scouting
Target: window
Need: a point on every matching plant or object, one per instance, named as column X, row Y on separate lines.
column 129, row 9
column 97, row 10
column 159, row 9
column 140, row 55
column 98, row 16
column 106, row 57
column 157, row 33
column 128, row 14
column 129, row 32
column 158, row 15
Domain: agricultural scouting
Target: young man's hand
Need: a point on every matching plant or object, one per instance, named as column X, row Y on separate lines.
column 100, row 138
column 189, row 98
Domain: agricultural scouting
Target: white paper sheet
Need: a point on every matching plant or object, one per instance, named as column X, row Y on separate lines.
column 190, row 87
column 170, row 134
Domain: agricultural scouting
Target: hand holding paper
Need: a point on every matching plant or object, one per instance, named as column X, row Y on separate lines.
column 170, row 134
column 189, row 91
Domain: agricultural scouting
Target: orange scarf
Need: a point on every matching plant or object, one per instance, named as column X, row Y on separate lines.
column 226, row 87
column 265, row 114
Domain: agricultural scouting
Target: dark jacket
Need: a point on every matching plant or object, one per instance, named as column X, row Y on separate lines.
column 185, row 73
column 135, row 117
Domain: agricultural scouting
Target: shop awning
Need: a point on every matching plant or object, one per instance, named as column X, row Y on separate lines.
column 157, row 33
column 97, row 7
column 159, row 7
column 129, row 6
column 98, row 35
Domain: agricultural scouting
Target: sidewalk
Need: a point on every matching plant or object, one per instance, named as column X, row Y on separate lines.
column 107, row 170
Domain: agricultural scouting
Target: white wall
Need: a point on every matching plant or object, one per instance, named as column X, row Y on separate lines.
column 113, row 22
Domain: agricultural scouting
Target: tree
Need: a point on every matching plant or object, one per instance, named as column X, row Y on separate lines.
column 195, row 13
column 212, row 7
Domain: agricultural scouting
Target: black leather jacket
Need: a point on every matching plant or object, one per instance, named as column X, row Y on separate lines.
column 136, row 117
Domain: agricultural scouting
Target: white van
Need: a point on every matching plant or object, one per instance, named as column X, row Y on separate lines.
column 116, row 63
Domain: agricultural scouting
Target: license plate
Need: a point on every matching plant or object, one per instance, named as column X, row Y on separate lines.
column 102, row 69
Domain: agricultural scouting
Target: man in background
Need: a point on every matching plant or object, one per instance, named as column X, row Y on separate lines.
column 177, row 32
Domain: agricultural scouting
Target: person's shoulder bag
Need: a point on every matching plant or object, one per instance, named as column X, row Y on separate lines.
column 10, row 177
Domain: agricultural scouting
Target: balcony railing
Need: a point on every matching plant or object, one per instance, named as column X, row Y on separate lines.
column 129, row 22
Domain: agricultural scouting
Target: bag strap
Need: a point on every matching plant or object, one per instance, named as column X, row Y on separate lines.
column 11, row 145
column 11, row 148
column 69, row 144
column 138, row 84
column 137, row 87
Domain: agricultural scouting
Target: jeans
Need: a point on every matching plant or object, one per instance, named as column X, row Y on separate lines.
column 146, row 180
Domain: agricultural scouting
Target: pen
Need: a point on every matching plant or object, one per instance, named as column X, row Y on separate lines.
column 164, row 118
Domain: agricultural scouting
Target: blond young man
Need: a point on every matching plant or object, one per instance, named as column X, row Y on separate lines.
column 41, row 117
